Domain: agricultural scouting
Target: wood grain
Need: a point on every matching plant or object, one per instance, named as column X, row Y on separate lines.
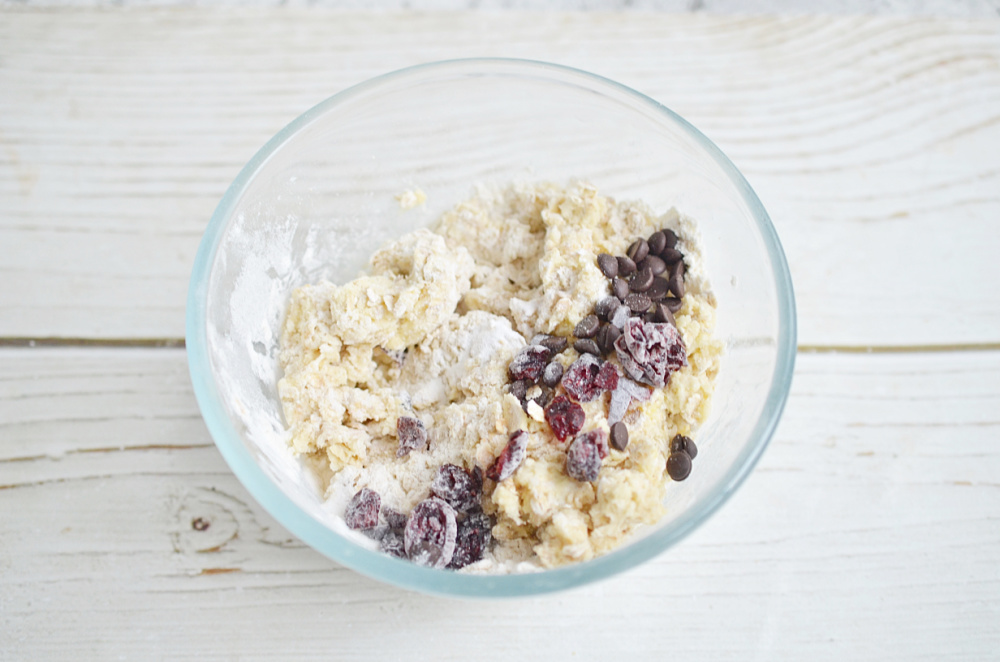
column 868, row 532
column 871, row 141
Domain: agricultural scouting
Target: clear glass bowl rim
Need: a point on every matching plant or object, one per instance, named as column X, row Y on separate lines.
column 445, row 582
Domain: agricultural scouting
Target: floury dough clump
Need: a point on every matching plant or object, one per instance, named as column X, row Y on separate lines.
column 473, row 331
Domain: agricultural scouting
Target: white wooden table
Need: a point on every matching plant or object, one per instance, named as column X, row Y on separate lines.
column 869, row 531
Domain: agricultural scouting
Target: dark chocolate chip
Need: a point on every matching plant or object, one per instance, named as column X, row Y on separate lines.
column 519, row 388
column 619, row 436
column 671, row 255
column 641, row 281
column 649, row 317
column 626, row 267
column 587, row 346
column 608, row 265
column 606, row 337
column 658, row 289
column 638, row 250
column 657, row 242
column 654, row 264
column 676, row 285
column 638, row 302
column 662, row 314
column 620, row 287
column 555, row 344
column 606, row 306
column 673, row 305
column 587, row 327
column 677, row 269
column 679, row 465
column 670, row 237
column 682, row 444
column 544, row 398
column 553, row 373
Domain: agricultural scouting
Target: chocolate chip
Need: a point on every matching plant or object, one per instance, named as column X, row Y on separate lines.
column 543, row 398
column 608, row 265
column 606, row 306
column 587, row 346
column 673, row 305
column 553, row 373
column 638, row 250
column 619, row 436
column 682, row 444
column 519, row 389
column 658, row 289
column 626, row 267
column 654, row 264
column 555, row 344
column 649, row 317
column 671, row 239
column 671, row 255
column 620, row 288
column 638, row 302
column 641, row 281
column 662, row 314
column 657, row 242
column 677, row 269
column 606, row 337
column 676, row 285
column 587, row 327
column 679, row 465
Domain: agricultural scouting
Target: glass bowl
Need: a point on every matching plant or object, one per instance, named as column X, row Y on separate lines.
column 319, row 198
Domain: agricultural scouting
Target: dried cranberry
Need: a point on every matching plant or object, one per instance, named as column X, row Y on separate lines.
column 583, row 457
column 529, row 363
column 650, row 352
column 429, row 537
column 510, row 457
column 392, row 544
column 565, row 417
column 588, row 377
column 458, row 487
column 395, row 519
column 607, row 377
column 474, row 535
column 412, row 435
column 362, row 510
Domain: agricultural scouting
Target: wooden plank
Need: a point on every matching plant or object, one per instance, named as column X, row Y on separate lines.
column 868, row 532
column 871, row 141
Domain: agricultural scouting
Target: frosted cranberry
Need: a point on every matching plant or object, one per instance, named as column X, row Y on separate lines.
column 362, row 510
column 460, row 488
column 584, row 381
column 474, row 535
column 395, row 519
column 430, row 534
column 529, row 363
column 510, row 457
column 649, row 352
column 583, row 457
column 607, row 377
column 411, row 433
column 392, row 544
column 565, row 417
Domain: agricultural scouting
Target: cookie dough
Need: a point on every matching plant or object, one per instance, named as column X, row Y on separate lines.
column 429, row 333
